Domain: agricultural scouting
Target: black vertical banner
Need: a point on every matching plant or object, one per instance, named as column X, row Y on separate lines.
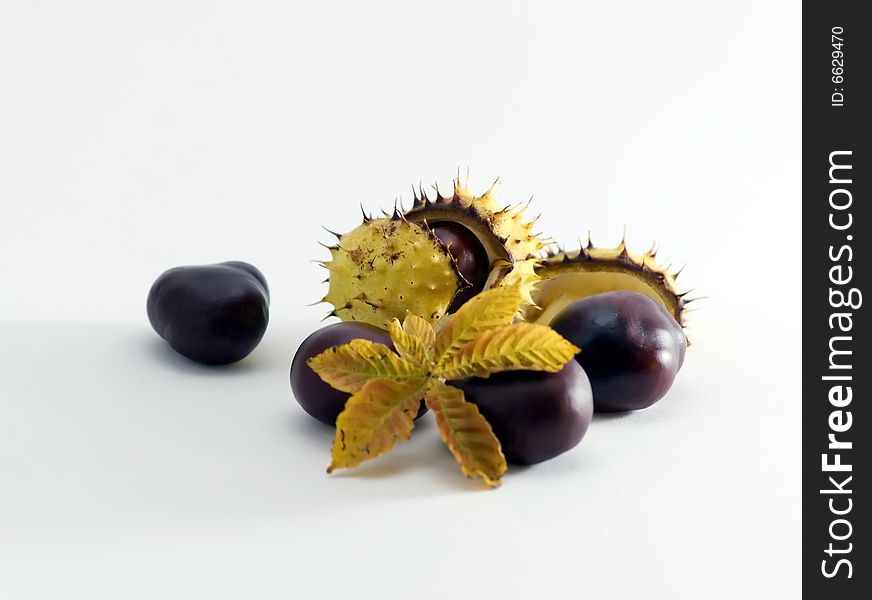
column 837, row 371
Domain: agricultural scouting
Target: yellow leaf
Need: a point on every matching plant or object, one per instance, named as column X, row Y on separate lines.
column 496, row 307
column 375, row 418
column 414, row 340
column 349, row 366
column 467, row 433
column 421, row 329
column 522, row 346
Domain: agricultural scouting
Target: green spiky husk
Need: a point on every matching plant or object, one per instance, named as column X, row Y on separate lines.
column 385, row 268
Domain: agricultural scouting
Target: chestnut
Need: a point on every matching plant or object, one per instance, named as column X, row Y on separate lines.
column 213, row 314
column 631, row 347
column 534, row 414
column 469, row 256
column 317, row 397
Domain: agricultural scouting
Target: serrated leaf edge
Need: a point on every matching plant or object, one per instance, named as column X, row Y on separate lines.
column 437, row 397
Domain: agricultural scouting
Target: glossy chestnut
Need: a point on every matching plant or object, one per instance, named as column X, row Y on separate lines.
column 535, row 415
column 213, row 314
column 469, row 256
column 631, row 347
column 318, row 398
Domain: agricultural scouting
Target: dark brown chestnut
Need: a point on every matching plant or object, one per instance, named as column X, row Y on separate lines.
column 212, row 314
column 318, row 398
column 469, row 256
column 631, row 347
column 535, row 415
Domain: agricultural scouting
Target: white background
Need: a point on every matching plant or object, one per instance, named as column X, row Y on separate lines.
column 136, row 136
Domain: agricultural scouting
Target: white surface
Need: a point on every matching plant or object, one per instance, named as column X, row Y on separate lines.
column 139, row 136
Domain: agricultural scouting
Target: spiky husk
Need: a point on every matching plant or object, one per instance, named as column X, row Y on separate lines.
column 508, row 239
column 387, row 267
column 567, row 277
